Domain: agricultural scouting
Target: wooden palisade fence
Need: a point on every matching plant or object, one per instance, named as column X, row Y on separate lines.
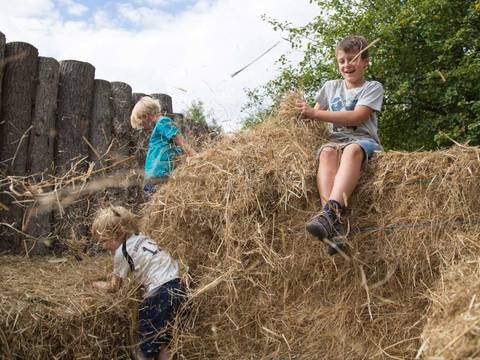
column 57, row 119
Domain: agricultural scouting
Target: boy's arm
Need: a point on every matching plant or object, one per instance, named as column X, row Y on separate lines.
column 108, row 286
column 344, row 118
column 319, row 107
column 180, row 141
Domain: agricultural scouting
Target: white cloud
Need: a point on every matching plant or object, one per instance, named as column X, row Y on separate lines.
column 26, row 8
column 196, row 50
column 73, row 8
column 143, row 17
column 103, row 20
column 154, row 2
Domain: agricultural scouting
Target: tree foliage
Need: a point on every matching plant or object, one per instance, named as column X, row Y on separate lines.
column 197, row 115
column 427, row 59
column 256, row 117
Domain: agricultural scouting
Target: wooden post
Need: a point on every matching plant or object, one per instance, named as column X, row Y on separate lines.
column 137, row 96
column 165, row 103
column 17, row 100
column 75, row 95
column 41, row 147
column 2, row 67
column 140, row 138
column 100, row 137
column 123, row 134
column 181, row 123
column 101, row 124
column 122, row 130
column 139, row 145
column 3, row 212
column 42, row 136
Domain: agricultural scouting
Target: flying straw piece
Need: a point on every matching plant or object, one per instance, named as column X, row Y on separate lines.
column 181, row 89
column 12, row 58
column 361, row 51
column 441, row 75
column 254, row 60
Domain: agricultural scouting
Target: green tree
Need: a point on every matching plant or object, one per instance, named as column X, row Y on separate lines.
column 427, row 59
column 196, row 112
column 256, row 117
column 197, row 115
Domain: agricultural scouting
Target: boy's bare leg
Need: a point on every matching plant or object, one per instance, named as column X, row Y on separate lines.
column 163, row 355
column 348, row 173
column 140, row 357
column 327, row 170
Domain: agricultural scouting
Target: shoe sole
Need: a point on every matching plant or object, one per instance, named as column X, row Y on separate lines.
column 317, row 231
column 337, row 247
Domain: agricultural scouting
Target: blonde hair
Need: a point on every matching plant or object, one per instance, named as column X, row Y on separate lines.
column 113, row 221
column 145, row 106
column 353, row 44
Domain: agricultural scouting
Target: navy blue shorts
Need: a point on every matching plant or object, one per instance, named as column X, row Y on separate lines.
column 154, row 315
column 149, row 189
column 152, row 184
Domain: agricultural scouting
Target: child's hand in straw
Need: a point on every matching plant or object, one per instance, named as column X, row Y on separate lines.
column 101, row 285
column 305, row 109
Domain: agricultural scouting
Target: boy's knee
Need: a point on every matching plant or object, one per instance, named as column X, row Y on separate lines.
column 354, row 152
column 327, row 153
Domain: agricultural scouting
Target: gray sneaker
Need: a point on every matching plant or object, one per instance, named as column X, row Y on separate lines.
column 336, row 246
column 337, row 243
column 321, row 226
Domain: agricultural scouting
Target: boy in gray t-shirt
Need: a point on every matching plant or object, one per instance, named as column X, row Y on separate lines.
column 350, row 108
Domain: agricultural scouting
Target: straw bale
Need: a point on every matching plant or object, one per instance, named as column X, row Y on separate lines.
column 261, row 288
column 48, row 310
column 453, row 327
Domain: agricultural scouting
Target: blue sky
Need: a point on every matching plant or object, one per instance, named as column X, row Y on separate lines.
column 164, row 46
column 85, row 10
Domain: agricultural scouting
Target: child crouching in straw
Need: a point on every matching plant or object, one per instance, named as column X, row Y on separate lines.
column 117, row 229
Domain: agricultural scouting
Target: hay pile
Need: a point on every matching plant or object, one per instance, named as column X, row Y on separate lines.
column 264, row 289
column 260, row 287
column 453, row 327
column 48, row 310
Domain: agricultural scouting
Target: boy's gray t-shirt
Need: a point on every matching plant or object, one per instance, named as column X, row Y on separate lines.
column 335, row 96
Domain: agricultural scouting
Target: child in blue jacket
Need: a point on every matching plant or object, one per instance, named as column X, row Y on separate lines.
column 164, row 144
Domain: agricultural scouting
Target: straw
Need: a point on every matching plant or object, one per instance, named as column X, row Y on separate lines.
column 260, row 287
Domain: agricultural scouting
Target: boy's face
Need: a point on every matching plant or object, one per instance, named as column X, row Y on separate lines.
column 109, row 243
column 351, row 71
column 149, row 120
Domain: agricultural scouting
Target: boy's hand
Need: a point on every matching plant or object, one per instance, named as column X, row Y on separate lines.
column 101, row 285
column 305, row 109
